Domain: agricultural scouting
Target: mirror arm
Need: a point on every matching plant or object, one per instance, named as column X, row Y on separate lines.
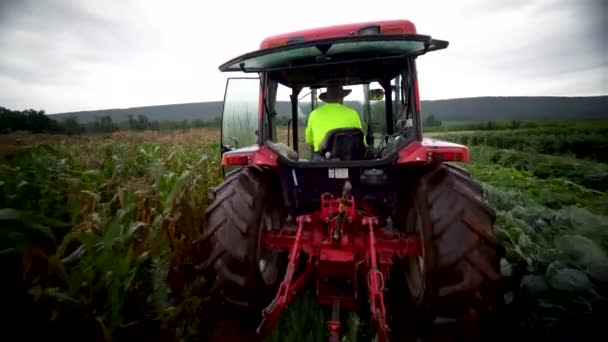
column 288, row 132
column 294, row 115
column 367, row 113
column 388, row 98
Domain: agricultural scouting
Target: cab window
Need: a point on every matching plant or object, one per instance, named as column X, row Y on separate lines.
column 240, row 113
column 371, row 110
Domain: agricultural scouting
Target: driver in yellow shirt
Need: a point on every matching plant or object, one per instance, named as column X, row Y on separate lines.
column 333, row 114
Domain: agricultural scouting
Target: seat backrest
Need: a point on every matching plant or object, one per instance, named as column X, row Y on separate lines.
column 343, row 144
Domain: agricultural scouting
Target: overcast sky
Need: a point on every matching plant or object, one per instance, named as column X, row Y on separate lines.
column 80, row 55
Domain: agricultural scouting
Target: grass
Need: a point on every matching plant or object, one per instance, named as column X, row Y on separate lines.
column 497, row 125
column 96, row 231
column 591, row 175
column 587, row 142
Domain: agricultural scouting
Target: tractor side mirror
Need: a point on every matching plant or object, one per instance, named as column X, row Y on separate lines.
column 225, row 149
column 376, row 94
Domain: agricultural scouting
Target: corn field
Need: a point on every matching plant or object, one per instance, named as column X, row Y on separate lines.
column 95, row 231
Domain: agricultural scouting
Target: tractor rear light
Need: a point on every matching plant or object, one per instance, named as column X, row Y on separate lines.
column 444, row 156
column 236, row 159
column 433, row 150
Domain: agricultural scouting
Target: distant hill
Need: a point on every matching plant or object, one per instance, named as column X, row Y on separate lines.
column 520, row 108
column 206, row 111
column 461, row 109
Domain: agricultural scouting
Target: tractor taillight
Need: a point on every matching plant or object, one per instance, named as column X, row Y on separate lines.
column 444, row 156
column 236, row 159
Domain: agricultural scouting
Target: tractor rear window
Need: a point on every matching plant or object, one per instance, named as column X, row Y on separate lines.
column 396, row 47
column 302, row 55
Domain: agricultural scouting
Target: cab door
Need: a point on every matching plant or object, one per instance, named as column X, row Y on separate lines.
column 240, row 115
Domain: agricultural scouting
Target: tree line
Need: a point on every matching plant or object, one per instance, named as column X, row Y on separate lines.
column 36, row 121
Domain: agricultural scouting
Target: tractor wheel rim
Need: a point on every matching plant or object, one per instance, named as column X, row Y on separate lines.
column 267, row 259
column 415, row 275
column 268, row 268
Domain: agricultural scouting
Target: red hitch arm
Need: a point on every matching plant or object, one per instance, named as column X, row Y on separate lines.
column 334, row 324
column 375, row 284
column 287, row 291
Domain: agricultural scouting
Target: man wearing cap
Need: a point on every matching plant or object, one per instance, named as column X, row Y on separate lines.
column 333, row 114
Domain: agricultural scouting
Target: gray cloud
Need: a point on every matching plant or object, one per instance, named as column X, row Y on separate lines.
column 549, row 49
column 49, row 41
column 71, row 55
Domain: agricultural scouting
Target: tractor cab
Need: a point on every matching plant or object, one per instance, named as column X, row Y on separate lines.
column 265, row 118
column 375, row 61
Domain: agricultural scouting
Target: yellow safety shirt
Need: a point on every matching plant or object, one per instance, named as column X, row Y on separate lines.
column 328, row 117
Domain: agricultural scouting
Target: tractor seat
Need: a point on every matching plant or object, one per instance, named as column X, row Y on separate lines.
column 343, row 144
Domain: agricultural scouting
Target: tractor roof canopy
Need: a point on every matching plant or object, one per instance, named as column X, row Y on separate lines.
column 357, row 53
column 381, row 27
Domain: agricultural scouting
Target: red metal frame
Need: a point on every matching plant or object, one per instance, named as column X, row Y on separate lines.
column 342, row 244
column 386, row 27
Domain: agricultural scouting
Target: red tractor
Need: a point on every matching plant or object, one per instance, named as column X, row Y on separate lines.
column 381, row 219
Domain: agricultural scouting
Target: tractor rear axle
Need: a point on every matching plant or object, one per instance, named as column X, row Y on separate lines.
column 342, row 245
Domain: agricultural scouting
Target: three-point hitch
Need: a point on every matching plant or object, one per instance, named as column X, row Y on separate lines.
column 343, row 243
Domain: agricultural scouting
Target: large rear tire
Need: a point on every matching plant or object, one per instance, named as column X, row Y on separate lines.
column 455, row 286
column 236, row 268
